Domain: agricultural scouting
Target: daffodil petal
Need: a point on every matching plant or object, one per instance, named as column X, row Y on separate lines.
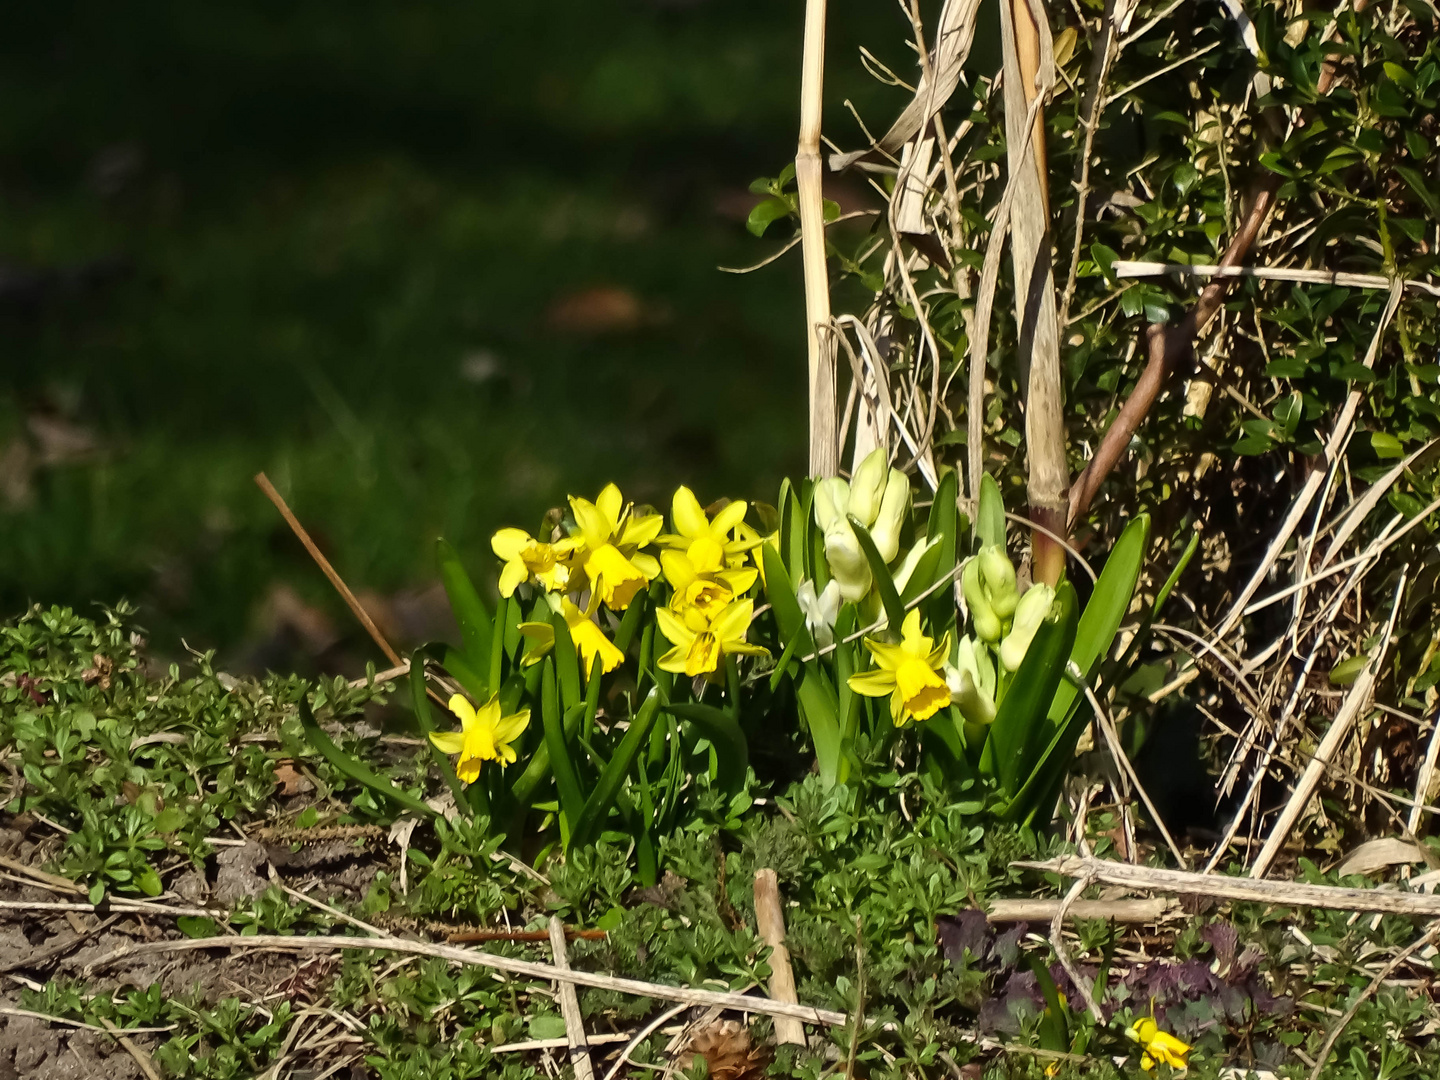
column 513, row 575
column 731, row 516
column 674, row 660
column 448, row 742
column 674, row 628
column 874, row 683
column 685, row 511
column 732, row 623
column 640, row 532
column 611, row 503
column 509, row 543
column 646, row 564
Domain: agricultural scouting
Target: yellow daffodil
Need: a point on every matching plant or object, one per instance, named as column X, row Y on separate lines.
column 698, row 652
column 704, row 539
column 608, row 539
column 526, row 558
column 590, row 641
column 1157, row 1045
column 703, row 590
column 908, row 672
column 484, row 735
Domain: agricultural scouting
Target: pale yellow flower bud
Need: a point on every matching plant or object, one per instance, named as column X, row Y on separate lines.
column 867, row 487
column 893, row 504
column 832, row 498
column 998, row 574
column 987, row 623
column 847, row 562
column 1034, row 606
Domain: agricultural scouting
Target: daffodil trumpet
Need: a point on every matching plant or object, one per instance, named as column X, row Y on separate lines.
column 608, row 540
column 699, row 652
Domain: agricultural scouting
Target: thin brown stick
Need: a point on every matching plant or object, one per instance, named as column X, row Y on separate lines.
column 770, row 920
column 263, row 482
column 570, row 1006
column 1384, row 973
column 526, row 968
column 824, row 453
column 1190, row 883
column 1165, row 347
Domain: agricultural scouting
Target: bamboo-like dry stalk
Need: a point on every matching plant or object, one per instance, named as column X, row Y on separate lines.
column 1028, row 54
column 824, row 451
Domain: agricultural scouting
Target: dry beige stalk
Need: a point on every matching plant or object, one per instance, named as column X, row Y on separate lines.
column 770, row 919
column 824, row 451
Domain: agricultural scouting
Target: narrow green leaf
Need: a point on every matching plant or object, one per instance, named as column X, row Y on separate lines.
column 782, row 665
column 1103, row 614
column 567, row 785
column 567, row 664
column 820, row 711
column 884, row 583
column 458, row 664
column 425, row 721
column 354, row 768
column 1020, row 721
column 597, row 808
column 781, row 594
column 496, row 659
column 631, row 620
column 724, row 733
column 990, row 514
column 469, row 610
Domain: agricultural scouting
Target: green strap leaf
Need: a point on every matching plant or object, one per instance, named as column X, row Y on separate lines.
column 425, row 721
column 597, row 808
column 567, row 664
column 1103, row 614
column 469, row 610
column 731, row 749
column 567, row 785
column 353, row 767
column 884, row 583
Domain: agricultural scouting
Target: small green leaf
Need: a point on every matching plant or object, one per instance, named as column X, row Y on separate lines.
column 1386, row 446
column 1347, row 671
column 764, row 213
column 196, row 926
column 547, row 1026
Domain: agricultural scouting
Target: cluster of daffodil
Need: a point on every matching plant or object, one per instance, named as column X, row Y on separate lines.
column 607, row 556
column 865, row 624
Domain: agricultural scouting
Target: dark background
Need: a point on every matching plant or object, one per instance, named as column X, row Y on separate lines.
column 431, row 265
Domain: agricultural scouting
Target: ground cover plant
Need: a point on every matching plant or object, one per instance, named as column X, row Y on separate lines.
column 904, row 766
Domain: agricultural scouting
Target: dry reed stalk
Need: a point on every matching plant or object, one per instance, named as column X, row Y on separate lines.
column 824, row 451
column 770, row 920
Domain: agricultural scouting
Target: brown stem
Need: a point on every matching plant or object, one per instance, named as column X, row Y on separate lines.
column 1165, row 347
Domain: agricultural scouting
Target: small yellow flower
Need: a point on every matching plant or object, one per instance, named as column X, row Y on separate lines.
column 590, row 641
column 702, row 590
column 608, row 539
column 908, row 672
column 484, row 735
column 698, row 652
column 706, row 540
column 526, row 558
column 1157, row 1045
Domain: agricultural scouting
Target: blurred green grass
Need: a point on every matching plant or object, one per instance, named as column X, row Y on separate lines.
column 326, row 241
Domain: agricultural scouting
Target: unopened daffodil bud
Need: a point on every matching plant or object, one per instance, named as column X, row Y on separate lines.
column 998, row 574
column 893, row 504
column 1034, row 606
column 982, row 615
column 848, row 564
column 867, row 487
column 832, row 499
